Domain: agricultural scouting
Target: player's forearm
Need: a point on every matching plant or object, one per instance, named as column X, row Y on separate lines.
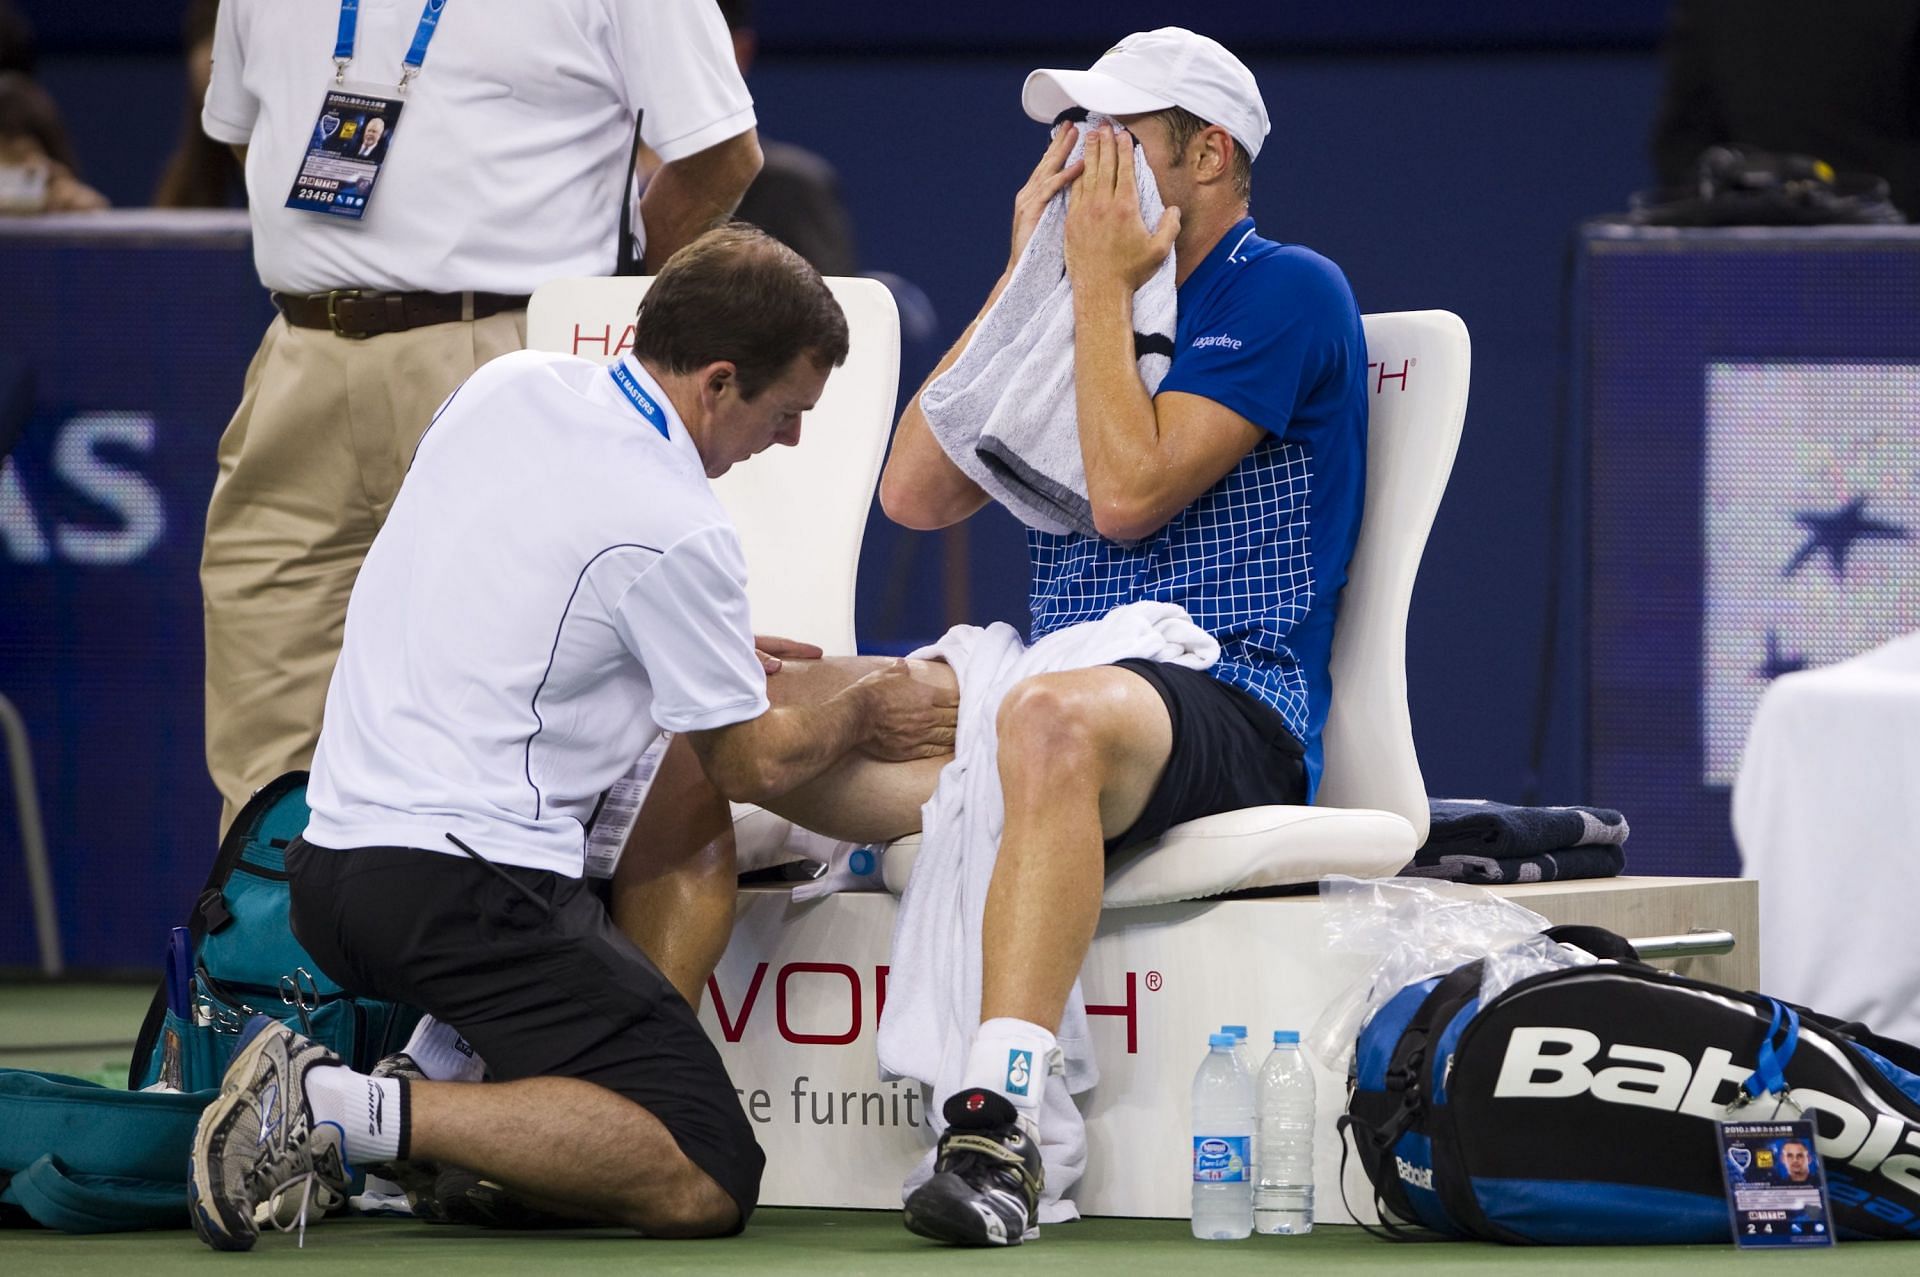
column 920, row 486
column 695, row 193
column 1119, row 433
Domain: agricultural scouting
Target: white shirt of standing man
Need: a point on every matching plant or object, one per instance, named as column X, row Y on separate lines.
column 505, row 167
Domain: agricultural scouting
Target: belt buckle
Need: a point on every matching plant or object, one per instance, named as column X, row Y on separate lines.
column 333, row 315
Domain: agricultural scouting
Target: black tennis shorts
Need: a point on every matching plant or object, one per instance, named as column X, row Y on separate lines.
column 1230, row 750
column 529, row 968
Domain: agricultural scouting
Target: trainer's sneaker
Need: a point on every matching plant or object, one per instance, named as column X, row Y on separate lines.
column 985, row 1189
column 282, row 1211
column 258, row 1138
column 461, row 1196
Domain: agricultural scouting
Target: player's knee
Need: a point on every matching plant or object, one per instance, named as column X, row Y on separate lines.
column 1052, row 724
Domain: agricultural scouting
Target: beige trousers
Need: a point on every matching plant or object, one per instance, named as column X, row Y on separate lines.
column 309, row 467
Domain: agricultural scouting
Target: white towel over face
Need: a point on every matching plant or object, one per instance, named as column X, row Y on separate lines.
column 933, row 986
column 1005, row 411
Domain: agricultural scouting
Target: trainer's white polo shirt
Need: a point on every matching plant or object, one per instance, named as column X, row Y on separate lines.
column 556, row 584
column 506, row 167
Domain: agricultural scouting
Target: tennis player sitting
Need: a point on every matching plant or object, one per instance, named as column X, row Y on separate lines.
column 556, row 584
column 1233, row 491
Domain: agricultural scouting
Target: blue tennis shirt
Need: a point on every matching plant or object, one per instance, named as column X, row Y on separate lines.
column 1270, row 331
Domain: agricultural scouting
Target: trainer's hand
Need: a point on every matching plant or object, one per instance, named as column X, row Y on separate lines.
column 1048, row 178
column 908, row 718
column 1107, row 242
column 772, row 650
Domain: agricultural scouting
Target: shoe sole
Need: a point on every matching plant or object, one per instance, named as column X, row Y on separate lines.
column 211, row 1221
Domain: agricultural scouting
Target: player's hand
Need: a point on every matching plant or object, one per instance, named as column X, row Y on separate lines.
column 1106, row 239
column 1049, row 177
column 772, row 650
column 908, row 718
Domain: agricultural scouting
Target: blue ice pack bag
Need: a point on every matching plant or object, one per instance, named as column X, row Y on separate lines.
column 81, row 1158
column 238, row 957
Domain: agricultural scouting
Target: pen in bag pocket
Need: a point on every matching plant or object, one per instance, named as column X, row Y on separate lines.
column 179, row 987
column 180, row 973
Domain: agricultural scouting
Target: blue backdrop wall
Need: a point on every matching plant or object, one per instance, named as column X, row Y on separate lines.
column 1442, row 178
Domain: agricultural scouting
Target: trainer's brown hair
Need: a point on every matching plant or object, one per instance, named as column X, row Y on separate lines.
column 738, row 294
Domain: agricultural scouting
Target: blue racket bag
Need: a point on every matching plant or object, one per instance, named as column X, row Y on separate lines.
column 1579, row 1106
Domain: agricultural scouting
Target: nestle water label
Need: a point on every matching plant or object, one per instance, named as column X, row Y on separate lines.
column 1221, row 1159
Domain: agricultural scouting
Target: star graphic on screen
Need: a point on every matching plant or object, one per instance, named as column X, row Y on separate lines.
column 1778, row 662
column 1837, row 532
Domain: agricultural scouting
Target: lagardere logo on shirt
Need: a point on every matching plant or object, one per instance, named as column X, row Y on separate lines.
column 1221, row 340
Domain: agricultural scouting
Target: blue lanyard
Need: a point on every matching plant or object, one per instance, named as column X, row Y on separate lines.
column 642, row 401
column 416, row 53
column 1771, row 1073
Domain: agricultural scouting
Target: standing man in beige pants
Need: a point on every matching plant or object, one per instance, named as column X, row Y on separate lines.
column 502, row 164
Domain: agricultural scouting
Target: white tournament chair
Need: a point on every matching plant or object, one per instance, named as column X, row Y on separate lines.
column 1372, row 811
column 801, row 512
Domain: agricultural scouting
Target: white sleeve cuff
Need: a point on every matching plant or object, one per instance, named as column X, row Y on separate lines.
column 678, row 148
column 224, row 131
column 707, row 720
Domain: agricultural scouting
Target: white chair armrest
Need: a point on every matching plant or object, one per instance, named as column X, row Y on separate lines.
column 1235, row 851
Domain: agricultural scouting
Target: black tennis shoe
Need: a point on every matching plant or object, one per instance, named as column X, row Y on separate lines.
column 985, row 1189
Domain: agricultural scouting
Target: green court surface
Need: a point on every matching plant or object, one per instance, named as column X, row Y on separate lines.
column 87, row 1030
column 872, row 1242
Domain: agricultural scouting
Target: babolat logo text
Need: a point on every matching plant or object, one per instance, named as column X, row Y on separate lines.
column 1418, row 1176
column 1230, row 343
column 1552, row 1063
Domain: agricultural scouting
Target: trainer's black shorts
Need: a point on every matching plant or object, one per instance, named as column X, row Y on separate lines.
column 1230, row 750
column 529, row 968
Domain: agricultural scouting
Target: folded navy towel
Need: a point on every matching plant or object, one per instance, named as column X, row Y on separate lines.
column 1597, row 861
column 1475, row 827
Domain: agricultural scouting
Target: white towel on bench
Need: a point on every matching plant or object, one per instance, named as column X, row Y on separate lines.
column 1005, row 411
column 933, row 985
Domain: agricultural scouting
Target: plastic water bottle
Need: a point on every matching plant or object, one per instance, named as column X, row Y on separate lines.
column 1222, row 1144
column 1283, row 1198
column 1243, row 1056
column 1242, row 1049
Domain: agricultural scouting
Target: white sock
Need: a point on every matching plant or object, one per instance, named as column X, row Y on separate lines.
column 370, row 1111
column 442, row 1054
column 1014, row 1058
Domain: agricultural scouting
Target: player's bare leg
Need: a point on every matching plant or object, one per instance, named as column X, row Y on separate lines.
column 673, row 893
column 1080, row 753
column 858, row 799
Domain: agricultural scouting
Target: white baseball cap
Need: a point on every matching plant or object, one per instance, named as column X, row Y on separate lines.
column 1151, row 71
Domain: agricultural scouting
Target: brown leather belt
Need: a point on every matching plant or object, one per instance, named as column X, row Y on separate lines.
column 363, row 312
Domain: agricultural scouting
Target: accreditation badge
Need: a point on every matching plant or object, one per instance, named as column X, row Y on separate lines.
column 346, row 150
column 1776, row 1186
